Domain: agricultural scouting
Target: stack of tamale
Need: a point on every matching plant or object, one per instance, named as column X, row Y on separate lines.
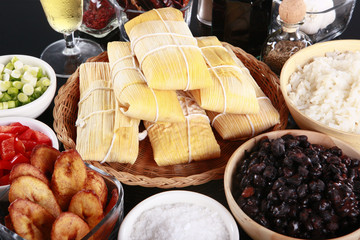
column 227, row 124
column 168, row 53
column 103, row 132
column 136, row 99
column 148, row 78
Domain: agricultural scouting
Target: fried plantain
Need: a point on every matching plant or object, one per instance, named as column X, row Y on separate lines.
column 68, row 178
column 69, row 226
column 43, row 157
column 86, row 204
column 96, row 183
column 113, row 200
column 26, row 169
column 35, row 190
column 30, row 220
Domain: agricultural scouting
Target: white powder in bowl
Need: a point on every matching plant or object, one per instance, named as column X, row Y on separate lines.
column 328, row 90
column 179, row 221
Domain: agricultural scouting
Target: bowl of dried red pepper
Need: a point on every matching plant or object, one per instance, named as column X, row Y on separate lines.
column 18, row 137
column 126, row 10
column 99, row 17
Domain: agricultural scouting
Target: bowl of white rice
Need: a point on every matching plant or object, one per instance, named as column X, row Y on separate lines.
column 321, row 87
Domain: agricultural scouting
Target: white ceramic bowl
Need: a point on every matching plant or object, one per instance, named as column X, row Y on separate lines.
column 35, row 125
column 178, row 196
column 38, row 106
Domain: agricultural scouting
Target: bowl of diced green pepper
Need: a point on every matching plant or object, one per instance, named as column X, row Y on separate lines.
column 27, row 86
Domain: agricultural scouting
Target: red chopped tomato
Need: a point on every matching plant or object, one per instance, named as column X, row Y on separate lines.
column 8, row 149
column 19, row 158
column 27, row 135
column 16, row 144
column 41, row 138
column 13, row 129
column 29, row 145
column 4, row 180
column 4, row 136
column 6, row 165
column 19, row 146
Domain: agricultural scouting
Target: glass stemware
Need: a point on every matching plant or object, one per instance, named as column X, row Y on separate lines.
column 65, row 16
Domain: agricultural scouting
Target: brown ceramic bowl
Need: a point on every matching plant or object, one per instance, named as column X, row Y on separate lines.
column 252, row 228
column 301, row 58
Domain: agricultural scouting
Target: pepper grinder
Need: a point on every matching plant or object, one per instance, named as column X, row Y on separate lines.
column 283, row 43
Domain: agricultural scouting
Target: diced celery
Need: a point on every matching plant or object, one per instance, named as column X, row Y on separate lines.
column 14, row 59
column 18, row 65
column 17, row 84
column 6, row 97
column 45, row 81
column 34, row 71
column 4, row 85
column 5, row 105
column 28, row 89
column 9, row 66
column 6, row 77
column 13, row 91
column 11, row 104
column 8, row 71
column 16, row 74
column 23, row 98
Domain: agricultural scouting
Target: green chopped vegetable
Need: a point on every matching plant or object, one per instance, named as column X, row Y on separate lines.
column 21, row 83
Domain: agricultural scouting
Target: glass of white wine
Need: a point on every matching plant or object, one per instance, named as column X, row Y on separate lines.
column 65, row 55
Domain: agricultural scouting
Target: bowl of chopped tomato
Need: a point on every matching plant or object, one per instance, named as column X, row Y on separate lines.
column 18, row 137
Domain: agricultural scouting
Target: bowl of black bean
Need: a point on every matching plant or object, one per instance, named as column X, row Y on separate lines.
column 295, row 184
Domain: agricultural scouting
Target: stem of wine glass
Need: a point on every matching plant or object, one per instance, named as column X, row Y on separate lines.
column 70, row 45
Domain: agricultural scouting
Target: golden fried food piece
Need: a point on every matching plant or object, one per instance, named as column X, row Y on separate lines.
column 86, row 204
column 35, row 190
column 30, row 220
column 113, row 200
column 43, row 157
column 96, row 183
column 68, row 178
column 26, row 169
column 69, row 226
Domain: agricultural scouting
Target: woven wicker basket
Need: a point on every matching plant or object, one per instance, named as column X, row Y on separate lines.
column 145, row 172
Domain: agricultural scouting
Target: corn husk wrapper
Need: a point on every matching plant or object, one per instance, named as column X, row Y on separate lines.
column 243, row 126
column 167, row 52
column 136, row 99
column 103, row 132
column 232, row 91
column 177, row 143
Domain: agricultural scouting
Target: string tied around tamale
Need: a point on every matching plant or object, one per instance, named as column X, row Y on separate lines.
column 90, row 91
column 135, row 68
column 177, row 45
column 81, row 122
column 246, row 115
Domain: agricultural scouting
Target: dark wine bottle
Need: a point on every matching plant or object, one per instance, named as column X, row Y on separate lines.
column 242, row 23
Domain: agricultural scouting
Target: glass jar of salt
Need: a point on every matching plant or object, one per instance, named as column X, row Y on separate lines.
column 281, row 44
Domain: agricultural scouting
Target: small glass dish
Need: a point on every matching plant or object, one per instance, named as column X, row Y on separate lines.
column 123, row 15
column 323, row 25
column 107, row 228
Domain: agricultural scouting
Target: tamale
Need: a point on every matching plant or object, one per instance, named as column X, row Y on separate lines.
column 177, row 143
column 167, row 52
column 242, row 126
column 135, row 98
column 232, row 92
column 103, row 132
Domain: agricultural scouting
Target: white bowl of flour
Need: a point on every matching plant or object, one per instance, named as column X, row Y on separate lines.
column 179, row 214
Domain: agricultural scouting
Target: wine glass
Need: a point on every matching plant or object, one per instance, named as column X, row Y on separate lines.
column 65, row 55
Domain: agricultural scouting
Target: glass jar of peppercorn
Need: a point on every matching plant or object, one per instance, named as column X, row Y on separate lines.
column 99, row 17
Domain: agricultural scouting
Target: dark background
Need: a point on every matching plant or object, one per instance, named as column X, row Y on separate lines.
column 25, row 30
